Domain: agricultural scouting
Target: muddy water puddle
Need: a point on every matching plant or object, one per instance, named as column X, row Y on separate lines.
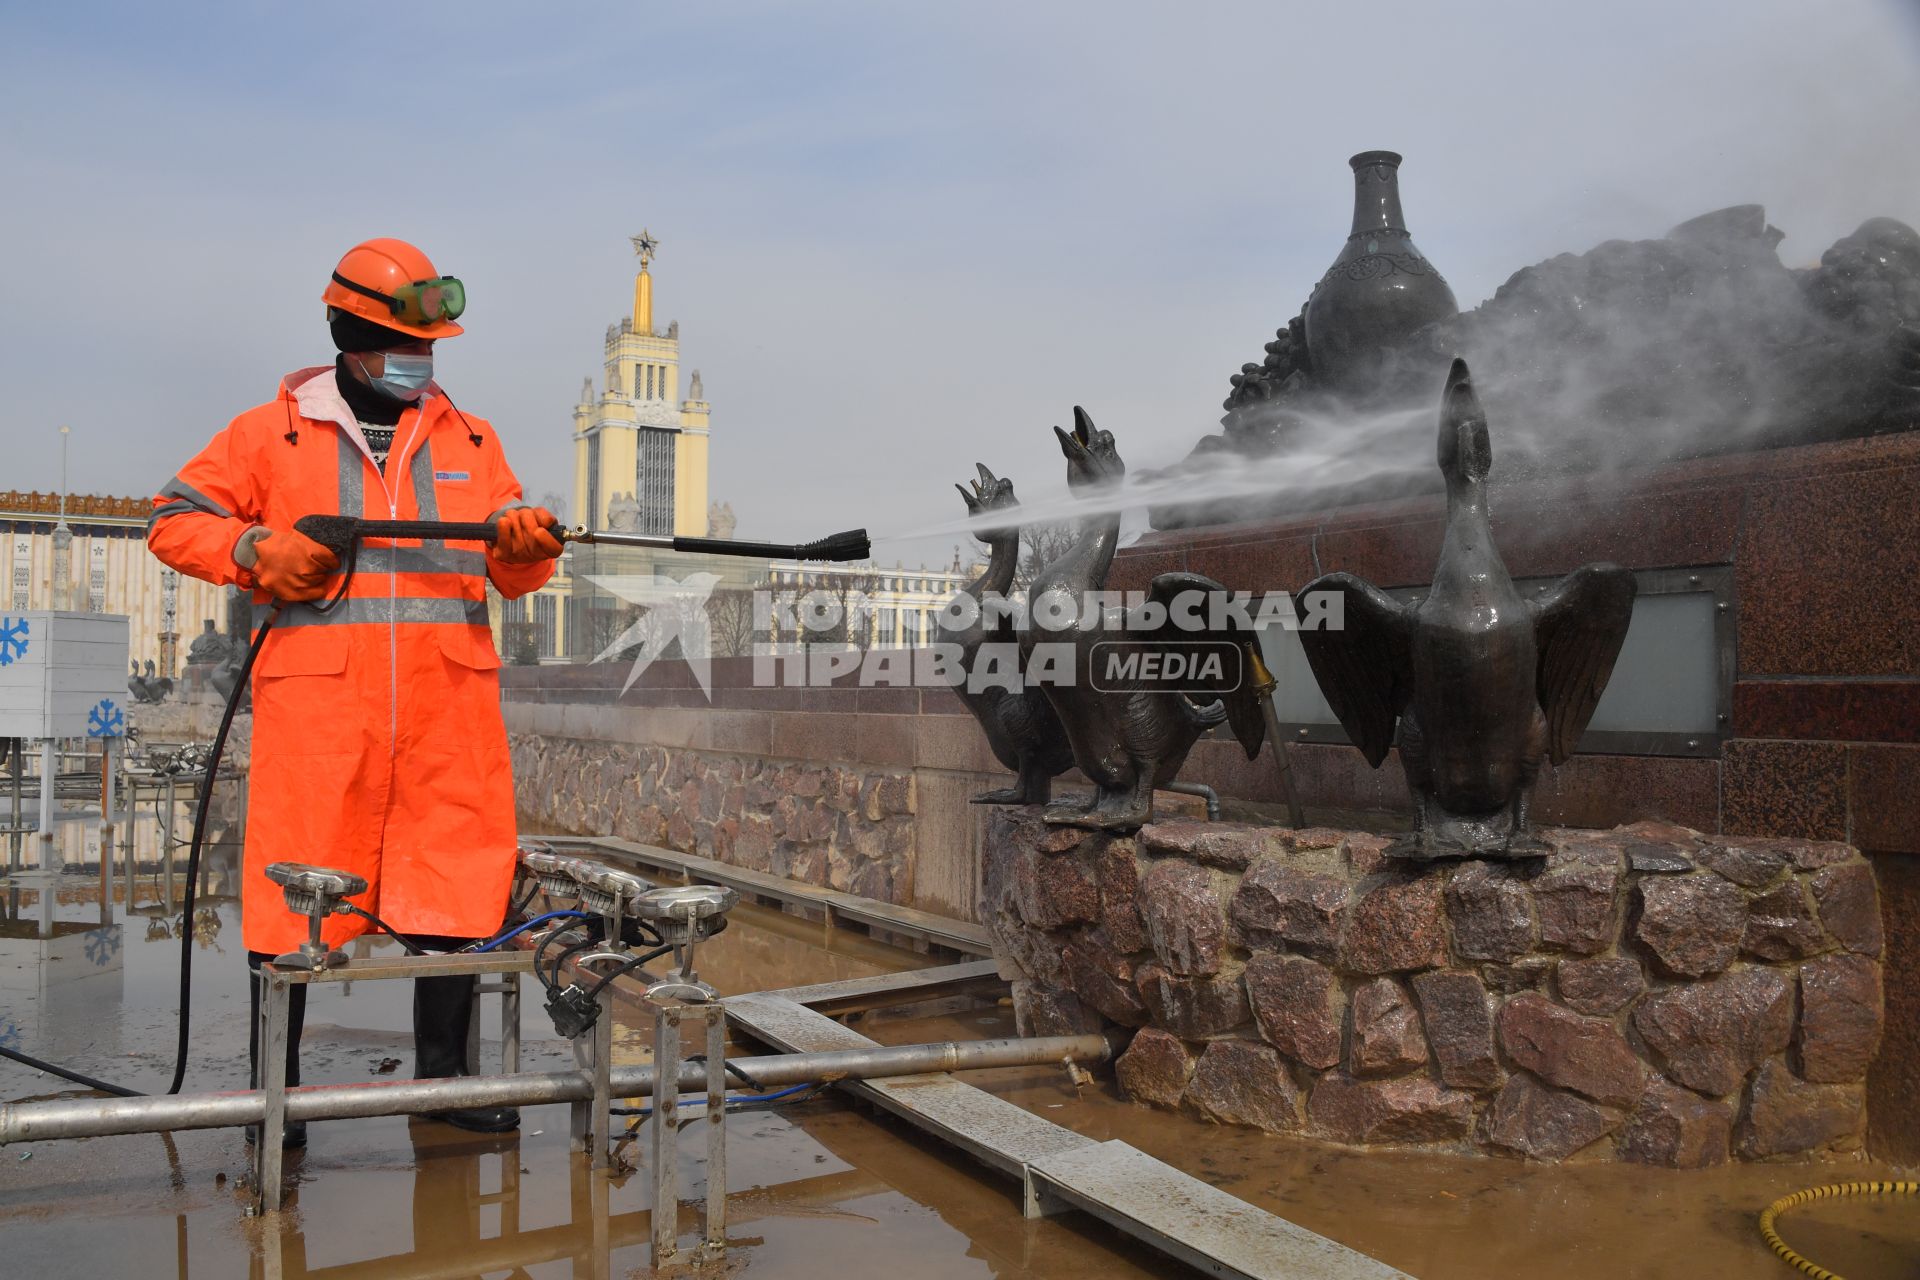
column 1459, row 1218
column 819, row 1189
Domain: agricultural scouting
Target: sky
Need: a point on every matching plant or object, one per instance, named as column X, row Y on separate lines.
column 899, row 238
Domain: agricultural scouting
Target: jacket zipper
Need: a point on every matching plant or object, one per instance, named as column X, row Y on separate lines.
column 393, row 591
column 393, row 576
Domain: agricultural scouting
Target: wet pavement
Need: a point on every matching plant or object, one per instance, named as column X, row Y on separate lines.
column 819, row 1189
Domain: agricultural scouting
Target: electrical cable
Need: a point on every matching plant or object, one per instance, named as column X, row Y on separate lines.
column 521, row 928
column 412, row 948
column 553, row 984
column 734, row 1101
column 760, row 1101
column 551, row 980
column 628, row 966
column 533, row 891
column 540, row 952
column 732, row 1069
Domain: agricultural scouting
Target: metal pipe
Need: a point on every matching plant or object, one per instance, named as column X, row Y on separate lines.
column 49, row 786
column 102, row 1117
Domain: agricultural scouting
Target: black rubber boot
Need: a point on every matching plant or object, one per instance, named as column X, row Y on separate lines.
column 442, row 1012
column 295, row 1134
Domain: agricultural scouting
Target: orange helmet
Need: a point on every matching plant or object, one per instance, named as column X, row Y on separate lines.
column 394, row 285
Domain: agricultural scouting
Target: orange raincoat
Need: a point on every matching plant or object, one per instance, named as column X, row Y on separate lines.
column 378, row 746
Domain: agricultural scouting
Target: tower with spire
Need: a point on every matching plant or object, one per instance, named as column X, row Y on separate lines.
column 640, row 449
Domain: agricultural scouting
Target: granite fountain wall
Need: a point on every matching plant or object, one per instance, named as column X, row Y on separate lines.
column 1645, row 994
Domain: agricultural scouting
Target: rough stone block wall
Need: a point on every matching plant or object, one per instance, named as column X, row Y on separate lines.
column 837, row 826
column 1646, row 994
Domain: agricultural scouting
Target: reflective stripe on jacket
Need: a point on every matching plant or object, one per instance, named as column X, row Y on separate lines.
column 378, row 746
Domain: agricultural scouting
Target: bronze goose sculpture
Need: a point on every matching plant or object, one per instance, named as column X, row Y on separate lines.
column 1128, row 735
column 1021, row 727
column 1483, row 683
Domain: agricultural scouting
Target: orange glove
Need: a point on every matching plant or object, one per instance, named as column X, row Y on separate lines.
column 291, row 566
column 523, row 538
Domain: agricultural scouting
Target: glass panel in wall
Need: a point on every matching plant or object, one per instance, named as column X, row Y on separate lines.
column 546, row 618
column 653, row 480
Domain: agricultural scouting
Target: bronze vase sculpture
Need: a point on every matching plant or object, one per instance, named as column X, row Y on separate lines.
column 1483, row 684
column 1378, row 291
column 1129, row 734
column 1021, row 727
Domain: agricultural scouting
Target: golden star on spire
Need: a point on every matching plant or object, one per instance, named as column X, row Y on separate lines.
column 644, row 245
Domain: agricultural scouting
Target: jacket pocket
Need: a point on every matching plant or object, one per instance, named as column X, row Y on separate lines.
column 470, row 647
column 304, row 703
column 302, row 651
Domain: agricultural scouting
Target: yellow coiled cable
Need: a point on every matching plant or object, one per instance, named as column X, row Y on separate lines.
column 1833, row 1191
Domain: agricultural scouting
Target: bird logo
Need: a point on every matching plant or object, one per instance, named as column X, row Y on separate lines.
column 671, row 612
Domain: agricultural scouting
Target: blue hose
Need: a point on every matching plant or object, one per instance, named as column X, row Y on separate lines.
column 521, row 928
column 701, row 1099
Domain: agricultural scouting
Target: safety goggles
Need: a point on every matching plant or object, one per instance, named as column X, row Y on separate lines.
column 422, row 302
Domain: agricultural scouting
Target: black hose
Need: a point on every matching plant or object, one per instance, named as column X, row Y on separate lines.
column 532, row 892
column 733, row 1069
column 560, row 960
column 37, row 1064
column 626, row 967
column 199, row 839
column 407, row 944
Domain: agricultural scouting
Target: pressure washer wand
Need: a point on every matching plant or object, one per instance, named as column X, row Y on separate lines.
column 339, row 533
column 851, row 545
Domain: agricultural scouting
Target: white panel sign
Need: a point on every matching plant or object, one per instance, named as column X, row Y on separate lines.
column 62, row 675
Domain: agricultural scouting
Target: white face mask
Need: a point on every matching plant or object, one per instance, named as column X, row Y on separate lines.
column 406, row 376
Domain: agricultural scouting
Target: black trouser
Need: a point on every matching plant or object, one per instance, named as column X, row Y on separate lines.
column 442, row 1014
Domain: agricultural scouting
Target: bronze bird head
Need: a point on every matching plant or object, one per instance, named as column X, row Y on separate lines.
column 1465, row 452
column 1092, row 461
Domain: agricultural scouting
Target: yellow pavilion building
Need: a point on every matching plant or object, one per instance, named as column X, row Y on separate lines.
column 640, row 448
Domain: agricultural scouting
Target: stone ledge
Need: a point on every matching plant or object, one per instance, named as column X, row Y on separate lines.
column 1646, row 994
column 837, row 826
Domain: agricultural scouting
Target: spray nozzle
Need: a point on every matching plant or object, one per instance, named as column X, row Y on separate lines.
column 850, row 545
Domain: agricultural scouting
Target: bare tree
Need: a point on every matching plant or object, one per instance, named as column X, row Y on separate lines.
column 602, row 623
column 849, row 593
column 730, row 620
column 1041, row 544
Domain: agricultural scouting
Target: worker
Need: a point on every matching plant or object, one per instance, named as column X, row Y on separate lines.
column 378, row 746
